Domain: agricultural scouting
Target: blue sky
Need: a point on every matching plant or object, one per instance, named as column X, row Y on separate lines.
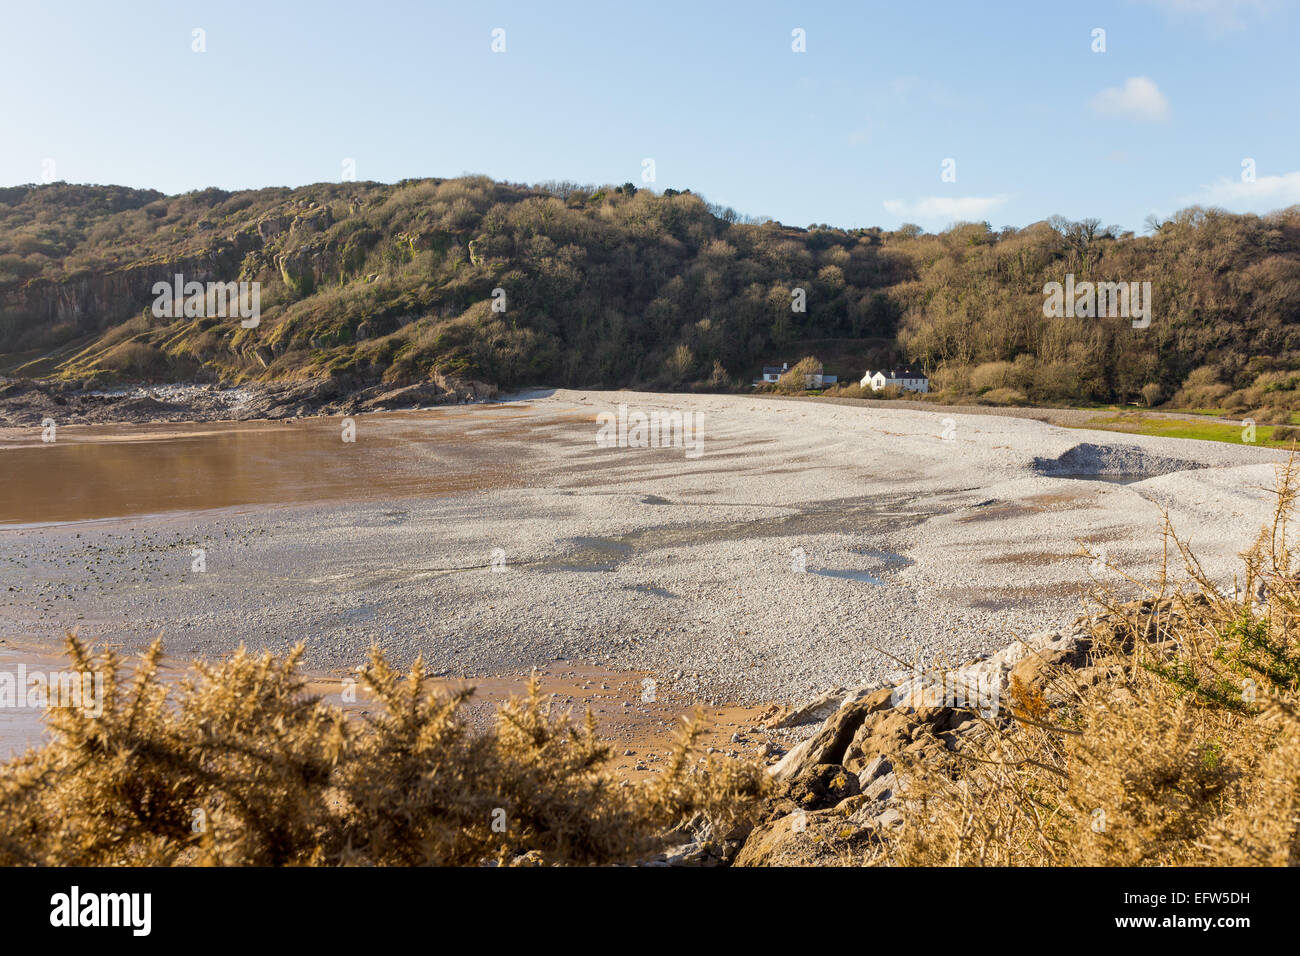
column 853, row 132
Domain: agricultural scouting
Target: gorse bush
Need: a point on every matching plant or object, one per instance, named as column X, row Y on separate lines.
column 1177, row 744
column 241, row 766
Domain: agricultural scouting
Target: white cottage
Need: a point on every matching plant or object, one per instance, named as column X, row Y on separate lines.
column 910, row 379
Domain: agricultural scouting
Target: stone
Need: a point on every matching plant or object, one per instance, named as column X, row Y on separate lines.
column 271, row 227
column 817, row 709
column 881, row 733
column 878, row 767
column 890, row 818
column 829, row 744
column 689, row 854
column 882, row 788
column 822, row 786
column 1037, row 669
column 807, row 839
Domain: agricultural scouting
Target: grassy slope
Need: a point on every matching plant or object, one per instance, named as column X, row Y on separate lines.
column 1164, row 426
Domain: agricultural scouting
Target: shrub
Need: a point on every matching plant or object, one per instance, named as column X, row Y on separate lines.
column 888, row 392
column 243, row 767
column 989, row 376
column 799, row 377
column 1004, row 396
column 1177, row 744
column 680, row 366
column 852, row 390
column 136, row 360
column 1202, row 389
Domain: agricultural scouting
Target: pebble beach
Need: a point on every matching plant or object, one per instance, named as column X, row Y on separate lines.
column 806, row 545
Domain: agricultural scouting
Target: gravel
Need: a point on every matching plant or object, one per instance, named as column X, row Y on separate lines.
column 914, row 547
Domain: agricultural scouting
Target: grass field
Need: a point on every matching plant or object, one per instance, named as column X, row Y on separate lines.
column 1138, row 423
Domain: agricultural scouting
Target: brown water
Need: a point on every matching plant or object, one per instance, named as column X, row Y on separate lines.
column 108, row 471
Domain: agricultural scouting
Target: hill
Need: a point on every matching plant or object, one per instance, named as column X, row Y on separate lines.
column 560, row 284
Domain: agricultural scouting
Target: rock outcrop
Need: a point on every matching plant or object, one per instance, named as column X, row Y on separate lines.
column 838, row 795
column 25, row 403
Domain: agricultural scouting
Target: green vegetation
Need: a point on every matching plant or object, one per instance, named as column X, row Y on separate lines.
column 1137, row 423
column 619, row 286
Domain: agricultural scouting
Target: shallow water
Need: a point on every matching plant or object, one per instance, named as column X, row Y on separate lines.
column 1109, row 479
column 97, row 472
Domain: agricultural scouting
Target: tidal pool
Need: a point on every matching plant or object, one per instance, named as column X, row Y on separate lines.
column 96, row 472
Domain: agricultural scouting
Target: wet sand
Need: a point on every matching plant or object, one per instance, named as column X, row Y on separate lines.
column 640, row 724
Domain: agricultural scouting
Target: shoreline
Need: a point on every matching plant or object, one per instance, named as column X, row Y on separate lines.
column 631, row 559
column 205, row 403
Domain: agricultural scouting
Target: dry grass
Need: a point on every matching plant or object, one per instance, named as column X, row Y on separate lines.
column 241, row 766
column 1179, row 744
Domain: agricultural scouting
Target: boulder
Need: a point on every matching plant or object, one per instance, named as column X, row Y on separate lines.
column 817, row 709
column 822, row 786
column 1038, row 667
column 271, row 226
column 829, row 743
column 881, row 789
column 880, row 734
column 464, row 390
column 877, row 768
column 825, row 837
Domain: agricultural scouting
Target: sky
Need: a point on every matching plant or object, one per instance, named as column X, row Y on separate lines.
column 890, row 112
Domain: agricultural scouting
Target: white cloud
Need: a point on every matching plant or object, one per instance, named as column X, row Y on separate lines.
column 1139, row 99
column 1263, row 195
column 945, row 208
column 1219, row 15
